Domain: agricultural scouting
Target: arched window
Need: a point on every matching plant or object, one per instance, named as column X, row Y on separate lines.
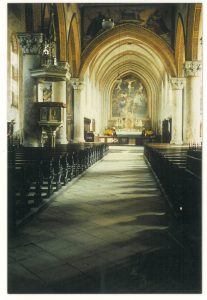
column 14, row 73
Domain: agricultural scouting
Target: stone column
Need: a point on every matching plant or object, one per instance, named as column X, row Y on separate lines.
column 177, row 85
column 78, row 111
column 59, row 95
column 192, row 104
column 31, row 46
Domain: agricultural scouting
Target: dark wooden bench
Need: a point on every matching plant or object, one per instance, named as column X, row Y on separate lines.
column 169, row 165
column 179, row 173
column 34, row 174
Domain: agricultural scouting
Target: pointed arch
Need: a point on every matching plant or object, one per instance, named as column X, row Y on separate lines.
column 180, row 47
column 61, row 37
column 143, row 35
column 194, row 18
column 74, row 48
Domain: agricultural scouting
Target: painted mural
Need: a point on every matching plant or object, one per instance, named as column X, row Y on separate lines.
column 157, row 18
column 129, row 103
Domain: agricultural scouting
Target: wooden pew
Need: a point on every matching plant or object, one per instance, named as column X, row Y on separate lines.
column 179, row 173
column 169, row 165
column 35, row 173
column 24, row 187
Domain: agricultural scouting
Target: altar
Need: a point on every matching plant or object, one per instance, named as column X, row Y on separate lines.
column 134, row 138
column 128, row 137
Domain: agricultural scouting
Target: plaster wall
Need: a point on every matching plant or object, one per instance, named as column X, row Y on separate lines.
column 16, row 23
column 92, row 100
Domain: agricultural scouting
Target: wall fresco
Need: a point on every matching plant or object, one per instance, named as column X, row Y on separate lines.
column 129, row 103
column 157, row 18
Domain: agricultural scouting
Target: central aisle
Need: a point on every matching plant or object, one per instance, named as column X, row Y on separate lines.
column 107, row 232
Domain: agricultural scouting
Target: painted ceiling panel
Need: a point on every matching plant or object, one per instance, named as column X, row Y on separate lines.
column 159, row 18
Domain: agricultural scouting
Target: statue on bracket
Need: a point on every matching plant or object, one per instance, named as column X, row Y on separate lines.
column 47, row 92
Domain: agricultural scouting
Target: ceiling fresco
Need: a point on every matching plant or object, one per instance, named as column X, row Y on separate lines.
column 156, row 17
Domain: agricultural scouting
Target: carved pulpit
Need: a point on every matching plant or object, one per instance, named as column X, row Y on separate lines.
column 51, row 117
column 49, row 89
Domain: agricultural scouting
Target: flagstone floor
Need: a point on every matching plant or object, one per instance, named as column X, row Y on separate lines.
column 107, row 232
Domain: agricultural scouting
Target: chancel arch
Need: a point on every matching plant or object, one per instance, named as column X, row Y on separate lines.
column 128, row 49
column 141, row 34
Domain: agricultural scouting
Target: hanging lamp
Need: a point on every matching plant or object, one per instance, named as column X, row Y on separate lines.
column 107, row 24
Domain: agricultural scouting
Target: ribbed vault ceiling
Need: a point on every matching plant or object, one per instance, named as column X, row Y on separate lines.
column 112, row 59
column 128, row 49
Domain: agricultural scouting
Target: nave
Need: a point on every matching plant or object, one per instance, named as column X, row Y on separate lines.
column 82, row 77
column 108, row 231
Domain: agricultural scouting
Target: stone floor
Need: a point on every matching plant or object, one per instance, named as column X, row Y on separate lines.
column 108, row 232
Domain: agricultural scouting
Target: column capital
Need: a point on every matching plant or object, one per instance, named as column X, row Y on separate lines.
column 177, row 83
column 192, row 68
column 65, row 66
column 31, row 43
column 77, row 83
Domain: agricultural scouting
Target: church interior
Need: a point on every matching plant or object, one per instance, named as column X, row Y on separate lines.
column 104, row 138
